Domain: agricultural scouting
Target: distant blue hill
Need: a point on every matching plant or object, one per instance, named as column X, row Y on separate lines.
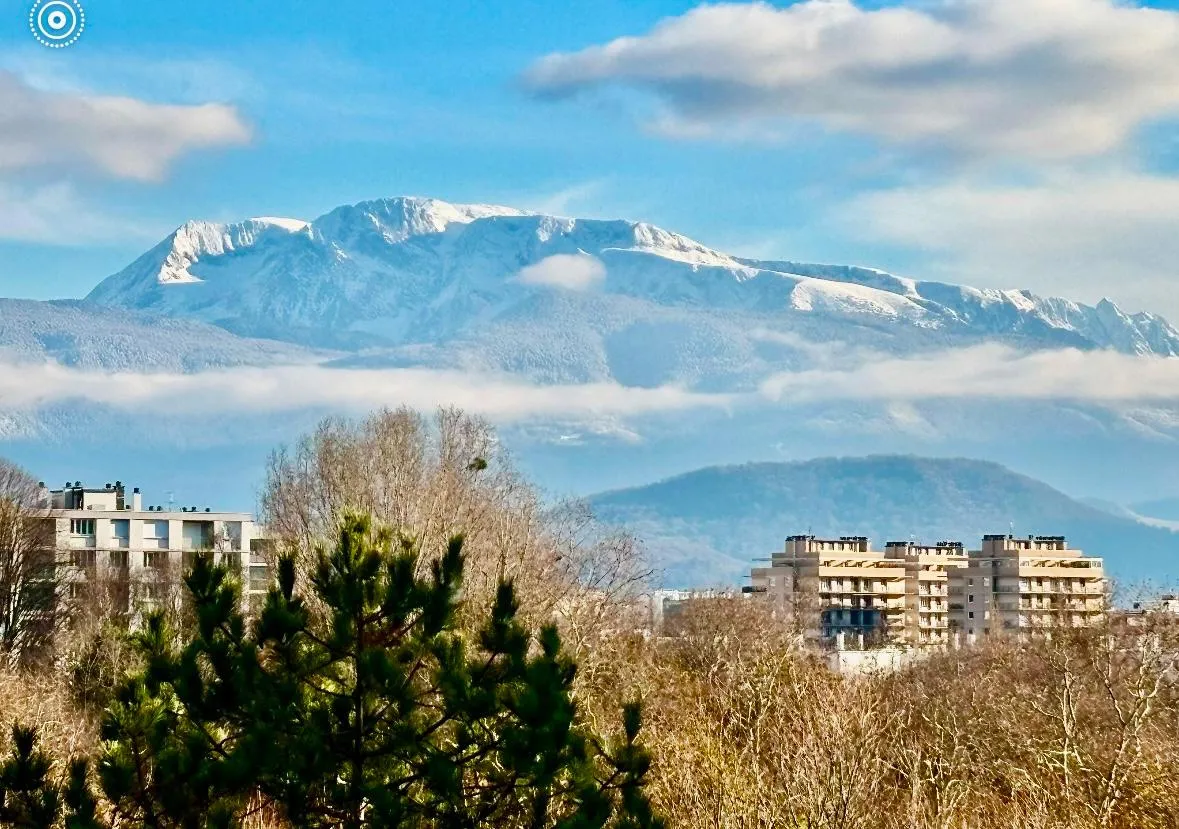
column 705, row 527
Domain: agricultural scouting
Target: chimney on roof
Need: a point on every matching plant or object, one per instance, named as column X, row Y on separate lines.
column 136, row 500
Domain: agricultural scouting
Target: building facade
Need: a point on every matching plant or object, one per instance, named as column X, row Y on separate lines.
column 931, row 571
column 843, row 593
column 1021, row 585
column 137, row 553
column 836, row 590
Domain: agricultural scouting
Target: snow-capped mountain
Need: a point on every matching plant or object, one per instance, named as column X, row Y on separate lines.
column 681, row 342
column 420, row 281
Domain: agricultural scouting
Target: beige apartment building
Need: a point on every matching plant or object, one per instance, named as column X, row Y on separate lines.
column 930, row 571
column 1021, row 585
column 837, row 590
column 137, row 552
column 841, row 592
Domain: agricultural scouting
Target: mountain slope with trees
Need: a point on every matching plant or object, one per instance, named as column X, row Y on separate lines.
column 706, row 527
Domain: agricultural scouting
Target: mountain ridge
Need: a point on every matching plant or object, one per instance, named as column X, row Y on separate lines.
column 706, row 526
column 407, row 271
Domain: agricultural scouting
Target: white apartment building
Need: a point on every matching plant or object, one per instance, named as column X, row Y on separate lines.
column 139, row 551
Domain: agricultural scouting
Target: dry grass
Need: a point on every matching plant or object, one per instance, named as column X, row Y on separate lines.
column 44, row 699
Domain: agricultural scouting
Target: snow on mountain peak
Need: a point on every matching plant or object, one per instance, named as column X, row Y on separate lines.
column 403, row 217
column 292, row 225
column 412, row 270
column 195, row 239
column 652, row 239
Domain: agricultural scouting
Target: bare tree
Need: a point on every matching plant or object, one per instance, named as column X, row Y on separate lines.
column 32, row 584
column 432, row 479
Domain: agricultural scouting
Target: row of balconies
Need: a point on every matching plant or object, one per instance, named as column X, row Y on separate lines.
column 932, row 624
column 862, row 603
column 1057, row 604
column 1067, row 587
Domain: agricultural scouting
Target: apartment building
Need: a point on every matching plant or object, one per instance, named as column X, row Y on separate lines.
column 842, row 592
column 930, row 570
column 137, row 552
column 836, row 590
column 1021, row 585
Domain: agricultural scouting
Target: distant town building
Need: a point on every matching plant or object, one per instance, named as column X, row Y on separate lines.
column 1162, row 608
column 842, row 593
column 665, row 606
column 836, row 590
column 136, row 552
column 1022, row 585
column 930, row 575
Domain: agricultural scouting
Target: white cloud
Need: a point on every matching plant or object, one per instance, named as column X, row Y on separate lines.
column 115, row 136
column 29, row 386
column 572, row 271
column 567, row 201
column 986, row 372
column 1082, row 236
column 1031, row 78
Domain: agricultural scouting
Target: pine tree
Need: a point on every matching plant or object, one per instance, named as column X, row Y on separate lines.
column 356, row 701
column 28, row 798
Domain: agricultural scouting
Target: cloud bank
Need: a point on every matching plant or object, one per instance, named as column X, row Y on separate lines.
column 30, row 386
column 114, row 136
column 993, row 372
column 1046, row 79
column 572, row 271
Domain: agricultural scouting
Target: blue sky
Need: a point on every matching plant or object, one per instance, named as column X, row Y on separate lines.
column 1010, row 144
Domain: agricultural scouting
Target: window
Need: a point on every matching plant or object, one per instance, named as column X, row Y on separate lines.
column 119, row 558
column 971, row 598
column 971, row 615
column 82, row 526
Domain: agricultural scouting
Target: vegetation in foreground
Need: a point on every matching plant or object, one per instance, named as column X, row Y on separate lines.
column 741, row 727
column 376, row 711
